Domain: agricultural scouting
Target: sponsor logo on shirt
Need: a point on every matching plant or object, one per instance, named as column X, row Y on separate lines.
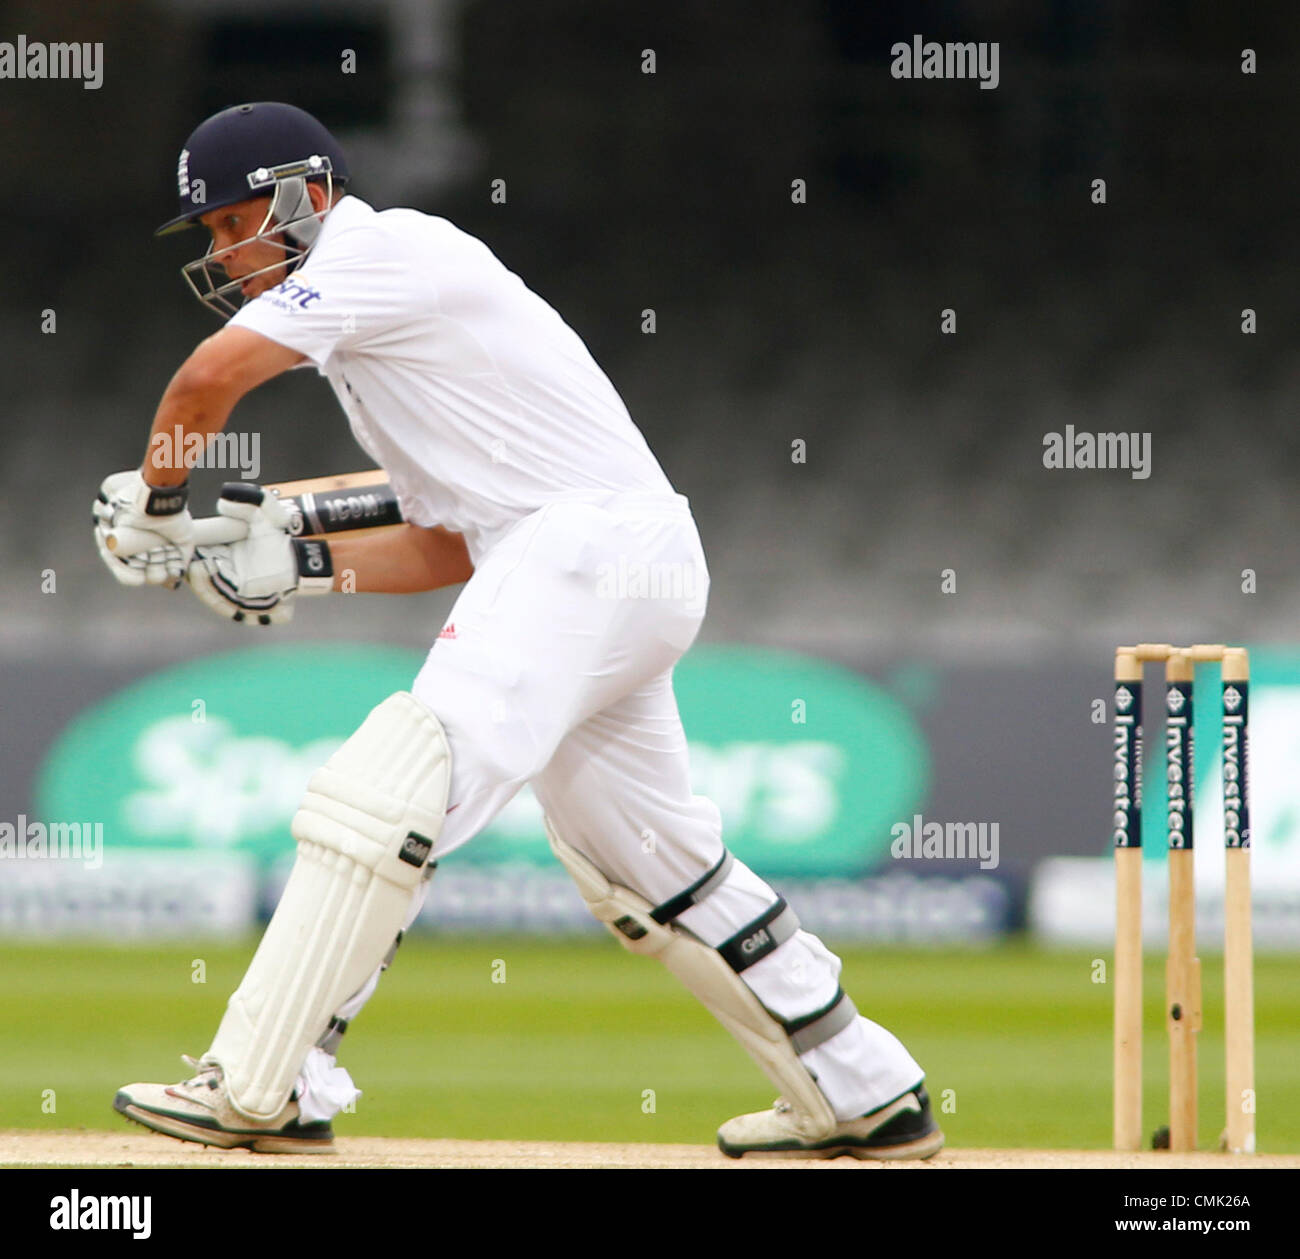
column 292, row 295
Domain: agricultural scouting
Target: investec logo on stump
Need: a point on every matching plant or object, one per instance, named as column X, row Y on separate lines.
column 31, row 59
column 127, row 1213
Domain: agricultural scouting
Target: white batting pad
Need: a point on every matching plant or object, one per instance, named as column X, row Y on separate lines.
column 365, row 830
column 709, row 978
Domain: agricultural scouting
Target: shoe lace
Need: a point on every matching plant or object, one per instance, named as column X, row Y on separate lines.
column 206, row 1074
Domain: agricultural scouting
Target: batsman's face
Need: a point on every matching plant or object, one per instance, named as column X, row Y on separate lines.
column 236, row 249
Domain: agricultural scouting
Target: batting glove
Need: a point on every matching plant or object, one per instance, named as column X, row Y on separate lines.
column 254, row 582
column 127, row 504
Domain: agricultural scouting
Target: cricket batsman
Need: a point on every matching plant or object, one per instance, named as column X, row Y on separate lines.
column 520, row 474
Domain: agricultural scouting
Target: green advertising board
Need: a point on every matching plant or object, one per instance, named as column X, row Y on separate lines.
column 809, row 763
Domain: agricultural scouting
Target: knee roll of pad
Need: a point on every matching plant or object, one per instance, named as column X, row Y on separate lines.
column 366, row 828
column 713, row 975
column 380, row 799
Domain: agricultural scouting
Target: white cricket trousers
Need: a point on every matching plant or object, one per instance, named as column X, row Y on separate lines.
column 555, row 669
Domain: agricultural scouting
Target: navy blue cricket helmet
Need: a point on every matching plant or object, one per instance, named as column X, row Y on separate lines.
column 238, row 153
column 265, row 148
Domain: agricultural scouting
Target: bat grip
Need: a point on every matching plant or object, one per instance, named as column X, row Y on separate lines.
column 208, row 531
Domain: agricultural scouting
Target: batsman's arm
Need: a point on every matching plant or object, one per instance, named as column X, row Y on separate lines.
column 202, row 394
column 400, row 560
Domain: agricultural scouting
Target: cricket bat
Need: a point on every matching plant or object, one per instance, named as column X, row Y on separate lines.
column 350, row 502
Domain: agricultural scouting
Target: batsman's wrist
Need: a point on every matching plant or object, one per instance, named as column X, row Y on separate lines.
column 162, row 500
column 315, row 566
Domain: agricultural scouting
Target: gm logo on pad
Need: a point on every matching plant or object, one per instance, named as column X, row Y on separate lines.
column 415, row 849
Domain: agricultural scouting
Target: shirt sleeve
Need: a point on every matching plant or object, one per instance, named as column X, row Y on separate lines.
column 348, row 293
column 415, row 510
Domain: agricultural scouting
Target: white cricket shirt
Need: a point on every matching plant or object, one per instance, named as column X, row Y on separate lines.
column 469, row 390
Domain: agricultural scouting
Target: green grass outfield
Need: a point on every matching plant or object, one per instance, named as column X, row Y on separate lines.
column 1016, row 1041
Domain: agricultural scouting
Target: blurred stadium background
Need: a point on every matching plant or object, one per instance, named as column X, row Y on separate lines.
column 775, row 322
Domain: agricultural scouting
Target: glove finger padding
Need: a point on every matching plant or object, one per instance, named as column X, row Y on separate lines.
column 126, row 501
column 129, row 570
column 254, row 581
column 214, row 576
column 253, row 505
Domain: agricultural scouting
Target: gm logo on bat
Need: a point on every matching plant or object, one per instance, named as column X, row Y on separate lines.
column 295, row 517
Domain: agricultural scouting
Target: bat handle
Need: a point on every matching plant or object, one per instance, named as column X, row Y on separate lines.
column 208, row 531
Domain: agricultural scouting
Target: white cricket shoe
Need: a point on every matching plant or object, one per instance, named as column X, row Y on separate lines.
column 199, row 1110
column 903, row 1129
